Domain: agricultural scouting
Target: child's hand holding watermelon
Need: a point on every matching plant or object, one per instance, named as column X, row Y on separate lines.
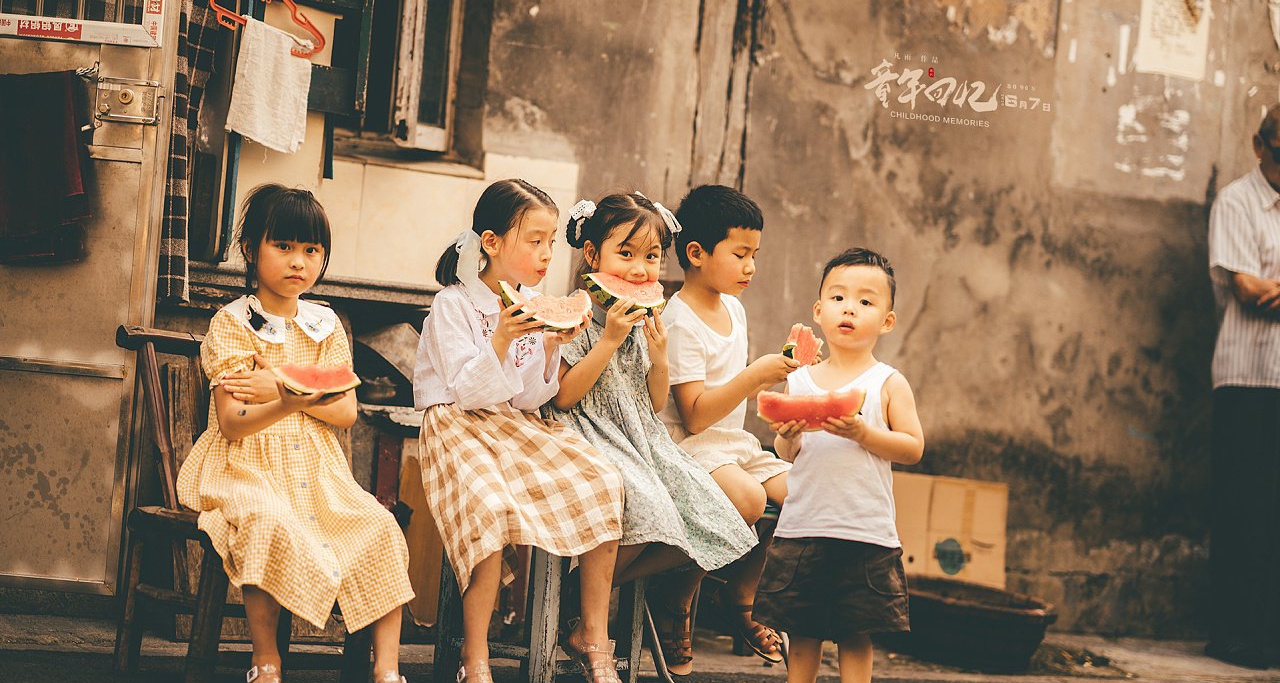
column 554, row 338
column 772, row 368
column 619, row 320
column 852, row 427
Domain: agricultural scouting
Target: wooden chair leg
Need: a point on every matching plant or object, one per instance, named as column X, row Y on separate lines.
column 630, row 628
column 284, row 632
column 448, row 627
column 544, row 622
column 129, row 631
column 206, row 623
column 356, row 651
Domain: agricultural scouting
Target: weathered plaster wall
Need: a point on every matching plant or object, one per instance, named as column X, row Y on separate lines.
column 1056, row 319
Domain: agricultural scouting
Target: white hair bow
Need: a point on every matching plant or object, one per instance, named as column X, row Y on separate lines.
column 468, row 246
column 584, row 209
column 673, row 225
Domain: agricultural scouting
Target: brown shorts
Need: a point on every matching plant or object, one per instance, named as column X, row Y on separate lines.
column 832, row 589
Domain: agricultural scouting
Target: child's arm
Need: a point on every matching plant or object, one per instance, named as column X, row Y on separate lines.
column 655, row 332
column 261, row 386
column 903, row 441
column 700, row 407
column 341, row 413
column 237, row 420
column 576, row 380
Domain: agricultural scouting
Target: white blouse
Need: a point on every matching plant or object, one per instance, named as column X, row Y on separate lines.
column 456, row 362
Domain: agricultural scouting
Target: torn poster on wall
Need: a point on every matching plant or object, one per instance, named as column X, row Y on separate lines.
column 1173, row 38
column 953, row 97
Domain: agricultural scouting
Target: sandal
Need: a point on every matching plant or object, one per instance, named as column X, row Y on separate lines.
column 601, row 669
column 736, row 619
column 267, row 673
column 674, row 630
column 479, row 674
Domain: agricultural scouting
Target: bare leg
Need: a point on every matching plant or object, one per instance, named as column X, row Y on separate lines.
column 477, row 610
column 626, row 555
column 743, row 490
column 806, row 657
column 386, row 644
column 743, row 576
column 657, row 557
column 855, row 659
column 597, row 583
column 263, row 614
column 597, row 566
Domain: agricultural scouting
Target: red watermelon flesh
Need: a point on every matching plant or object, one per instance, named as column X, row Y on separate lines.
column 802, row 345
column 607, row 289
column 814, row 409
column 313, row 379
column 554, row 312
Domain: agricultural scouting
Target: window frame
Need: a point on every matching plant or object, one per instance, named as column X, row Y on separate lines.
column 149, row 33
column 407, row 128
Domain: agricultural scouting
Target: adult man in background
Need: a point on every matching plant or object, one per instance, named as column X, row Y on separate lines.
column 1244, row 265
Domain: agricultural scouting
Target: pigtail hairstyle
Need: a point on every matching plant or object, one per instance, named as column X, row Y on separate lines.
column 616, row 210
column 275, row 212
column 500, row 208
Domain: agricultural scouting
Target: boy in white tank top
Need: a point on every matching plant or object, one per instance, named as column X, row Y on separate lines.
column 834, row 571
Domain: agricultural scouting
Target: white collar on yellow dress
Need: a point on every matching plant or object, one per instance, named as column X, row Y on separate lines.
column 314, row 319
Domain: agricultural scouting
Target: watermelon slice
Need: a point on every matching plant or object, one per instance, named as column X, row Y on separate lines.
column 814, row 409
column 313, row 379
column 556, row 313
column 802, row 345
column 607, row 289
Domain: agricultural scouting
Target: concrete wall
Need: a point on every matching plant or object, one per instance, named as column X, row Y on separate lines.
column 1055, row 314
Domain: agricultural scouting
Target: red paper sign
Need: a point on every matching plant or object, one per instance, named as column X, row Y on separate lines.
column 50, row 28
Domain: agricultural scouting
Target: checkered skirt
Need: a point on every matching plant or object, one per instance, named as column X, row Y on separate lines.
column 500, row 476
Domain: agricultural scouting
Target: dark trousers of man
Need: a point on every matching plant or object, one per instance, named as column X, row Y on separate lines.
column 1244, row 556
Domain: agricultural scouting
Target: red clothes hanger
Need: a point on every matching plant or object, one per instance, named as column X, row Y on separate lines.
column 317, row 42
column 225, row 16
column 233, row 20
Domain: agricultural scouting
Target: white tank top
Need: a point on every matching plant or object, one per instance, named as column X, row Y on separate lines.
column 837, row 489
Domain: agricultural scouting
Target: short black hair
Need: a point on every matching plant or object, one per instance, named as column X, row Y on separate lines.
column 707, row 214
column 859, row 256
column 274, row 212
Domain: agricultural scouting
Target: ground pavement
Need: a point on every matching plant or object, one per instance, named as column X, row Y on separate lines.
column 36, row 649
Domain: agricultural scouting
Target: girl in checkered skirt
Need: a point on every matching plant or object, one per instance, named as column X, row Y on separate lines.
column 495, row 474
column 270, row 480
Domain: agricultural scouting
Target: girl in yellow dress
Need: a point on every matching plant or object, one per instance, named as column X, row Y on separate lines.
column 269, row 478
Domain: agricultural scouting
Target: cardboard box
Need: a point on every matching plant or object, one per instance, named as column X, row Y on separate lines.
column 952, row 528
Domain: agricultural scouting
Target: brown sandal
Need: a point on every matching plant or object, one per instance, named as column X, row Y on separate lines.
column 755, row 635
column 675, row 637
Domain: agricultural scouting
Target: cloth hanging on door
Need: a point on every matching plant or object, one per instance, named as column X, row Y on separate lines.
column 43, row 167
column 198, row 38
column 269, row 100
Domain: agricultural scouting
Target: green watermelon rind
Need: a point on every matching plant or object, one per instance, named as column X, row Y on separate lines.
column 607, row 299
column 858, row 411
column 508, row 293
column 296, row 387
